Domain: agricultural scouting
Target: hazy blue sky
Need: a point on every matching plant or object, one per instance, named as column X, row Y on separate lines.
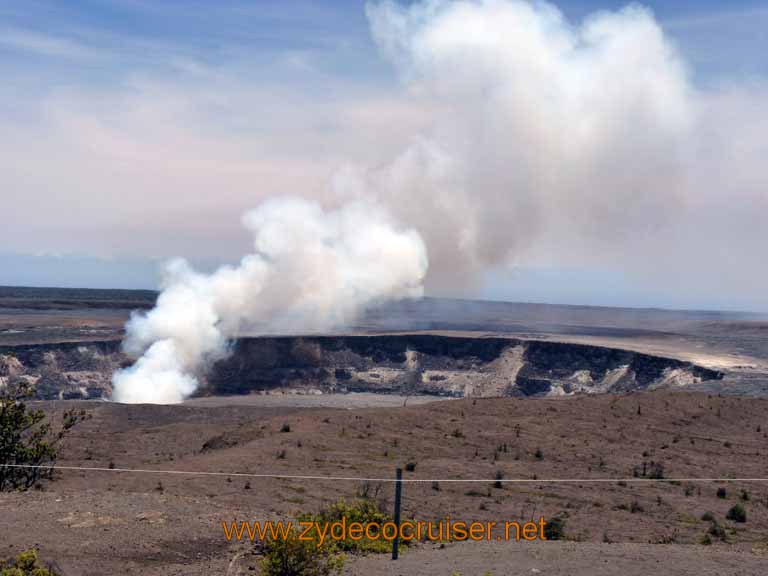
column 135, row 130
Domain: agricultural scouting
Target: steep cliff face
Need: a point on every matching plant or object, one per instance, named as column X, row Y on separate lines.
column 442, row 365
column 404, row 364
column 68, row 370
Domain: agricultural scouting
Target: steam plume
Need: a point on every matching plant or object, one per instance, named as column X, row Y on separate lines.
column 580, row 145
column 541, row 131
column 545, row 142
column 311, row 270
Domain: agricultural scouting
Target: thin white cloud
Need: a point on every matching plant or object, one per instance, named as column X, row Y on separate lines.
column 717, row 18
column 532, row 140
column 46, row 45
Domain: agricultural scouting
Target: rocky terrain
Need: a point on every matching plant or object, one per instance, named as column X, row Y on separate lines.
column 67, row 341
column 648, row 409
column 391, row 364
column 93, row 523
column 444, row 365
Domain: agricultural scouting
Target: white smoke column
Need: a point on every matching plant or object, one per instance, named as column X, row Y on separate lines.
column 311, row 270
column 549, row 141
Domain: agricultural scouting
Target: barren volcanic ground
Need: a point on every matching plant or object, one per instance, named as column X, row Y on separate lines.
column 113, row 522
column 625, row 396
column 66, row 342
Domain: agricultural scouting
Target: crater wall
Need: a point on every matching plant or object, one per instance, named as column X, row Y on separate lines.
column 386, row 364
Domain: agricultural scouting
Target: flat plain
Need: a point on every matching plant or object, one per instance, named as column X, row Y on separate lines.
column 703, row 444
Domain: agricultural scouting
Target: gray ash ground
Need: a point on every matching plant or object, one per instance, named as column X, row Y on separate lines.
column 96, row 523
column 69, row 340
column 113, row 522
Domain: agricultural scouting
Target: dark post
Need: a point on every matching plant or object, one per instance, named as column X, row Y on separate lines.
column 398, row 497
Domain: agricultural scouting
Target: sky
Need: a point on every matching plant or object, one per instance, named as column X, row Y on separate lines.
column 136, row 131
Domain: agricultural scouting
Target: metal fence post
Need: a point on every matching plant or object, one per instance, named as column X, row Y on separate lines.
column 398, row 498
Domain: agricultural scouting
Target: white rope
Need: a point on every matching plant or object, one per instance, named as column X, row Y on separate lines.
column 404, row 480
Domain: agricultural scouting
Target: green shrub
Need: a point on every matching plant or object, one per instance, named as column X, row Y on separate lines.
column 362, row 511
column 555, row 528
column 722, row 493
column 745, row 496
column 25, row 564
column 717, row 530
column 28, row 438
column 294, row 557
column 708, row 517
column 737, row 513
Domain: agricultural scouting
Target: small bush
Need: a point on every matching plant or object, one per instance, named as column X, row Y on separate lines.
column 737, row 514
column 285, row 428
column 27, row 437
column 25, row 564
column 294, row 557
column 360, row 510
column 410, row 466
column 555, row 528
column 656, row 471
column 499, row 477
column 744, row 496
column 722, row 493
column 539, row 455
column 716, row 530
column 708, row 517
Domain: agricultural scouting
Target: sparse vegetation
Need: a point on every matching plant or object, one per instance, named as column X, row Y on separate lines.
column 25, row 564
column 294, row 557
column 656, row 471
column 555, row 528
column 285, row 428
column 28, row 438
column 744, row 496
column 360, row 510
column 737, row 513
column 717, row 531
column 722, row 493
